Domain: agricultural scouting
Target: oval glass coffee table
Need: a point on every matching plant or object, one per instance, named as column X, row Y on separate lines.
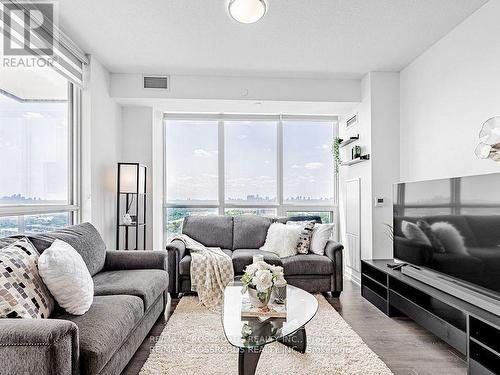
column 250, row 335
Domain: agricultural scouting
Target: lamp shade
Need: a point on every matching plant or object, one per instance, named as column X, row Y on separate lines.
column 128, row 178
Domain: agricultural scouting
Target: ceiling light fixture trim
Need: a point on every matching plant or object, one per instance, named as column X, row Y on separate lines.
column 247, row 11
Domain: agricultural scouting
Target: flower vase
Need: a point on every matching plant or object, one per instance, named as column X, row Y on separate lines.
column 259, row 299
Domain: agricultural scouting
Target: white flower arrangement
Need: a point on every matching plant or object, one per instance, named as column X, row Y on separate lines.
column 261, row 276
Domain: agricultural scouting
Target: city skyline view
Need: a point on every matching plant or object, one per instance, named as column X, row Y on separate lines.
column 250, row 161
column 37, row 172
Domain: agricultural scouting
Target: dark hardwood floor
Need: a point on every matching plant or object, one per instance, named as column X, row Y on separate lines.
column 404, row 346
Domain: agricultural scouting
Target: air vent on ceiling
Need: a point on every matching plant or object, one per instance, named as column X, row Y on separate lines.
column 352, row 120
column 156, row 82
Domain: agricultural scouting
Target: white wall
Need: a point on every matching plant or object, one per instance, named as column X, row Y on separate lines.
column 137, row 147
column 101, row 121
column 446, row 95
column 361, row 171
column 385, row 147
column 240, row 88
column 378, row 129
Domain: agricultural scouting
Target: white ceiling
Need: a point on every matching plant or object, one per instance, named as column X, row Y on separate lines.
column 307, row 38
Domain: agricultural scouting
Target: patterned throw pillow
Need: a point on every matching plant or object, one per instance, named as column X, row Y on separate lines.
column 22, row 292
column 305, row 235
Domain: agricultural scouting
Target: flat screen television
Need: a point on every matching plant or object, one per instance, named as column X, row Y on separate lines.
column 452, row 227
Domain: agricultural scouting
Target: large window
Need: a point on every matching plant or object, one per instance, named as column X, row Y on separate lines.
column 250, row 162
column 36, row 150
column 238, row 165
column 192, row 162
column 307, row 163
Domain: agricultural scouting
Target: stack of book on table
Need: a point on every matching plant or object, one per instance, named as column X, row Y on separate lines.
column 272, row 310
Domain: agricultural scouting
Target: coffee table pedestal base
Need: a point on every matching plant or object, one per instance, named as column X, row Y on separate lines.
column 297, row 340
column 249, row 358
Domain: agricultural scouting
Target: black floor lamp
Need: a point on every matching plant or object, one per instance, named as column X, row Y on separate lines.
column 131, row 206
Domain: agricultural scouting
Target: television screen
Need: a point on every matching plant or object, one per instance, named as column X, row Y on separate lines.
column 451, row 226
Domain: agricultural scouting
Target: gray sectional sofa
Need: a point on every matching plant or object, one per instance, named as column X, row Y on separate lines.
column 130, row 295
column 241, row 237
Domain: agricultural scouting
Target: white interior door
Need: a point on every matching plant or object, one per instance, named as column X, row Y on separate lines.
column 353, row 224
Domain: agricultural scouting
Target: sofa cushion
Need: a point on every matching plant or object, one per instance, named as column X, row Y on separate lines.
column 215, row 231
column 244, row 257
column 250, row 231
column 185, row 263
column 307, row 264
column 486, row 229
column 104, row 328
column 84, row 238
column 145, row 284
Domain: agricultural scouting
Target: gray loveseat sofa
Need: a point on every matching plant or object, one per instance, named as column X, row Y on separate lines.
column 130, row 295
column 241, row 237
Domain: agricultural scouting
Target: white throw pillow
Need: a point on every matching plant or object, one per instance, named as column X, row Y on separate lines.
column 282, row 239
column 453, row 242
column 321, row 234
column 64, row 272
column 414, row 233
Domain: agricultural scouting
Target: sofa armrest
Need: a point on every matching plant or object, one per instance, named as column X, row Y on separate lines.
column 39, row 346
column 133, row 260
column 176, row 250
column 333, row 250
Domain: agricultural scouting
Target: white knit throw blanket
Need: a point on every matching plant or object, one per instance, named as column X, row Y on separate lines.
column 211, row 271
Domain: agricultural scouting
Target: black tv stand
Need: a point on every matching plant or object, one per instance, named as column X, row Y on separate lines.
column 471, row 330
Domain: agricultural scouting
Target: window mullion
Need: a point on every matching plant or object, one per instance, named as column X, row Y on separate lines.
column 221, row 173
column 280, row 167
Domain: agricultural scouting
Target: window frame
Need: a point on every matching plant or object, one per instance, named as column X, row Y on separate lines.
column 74, row 169
column 281, row 207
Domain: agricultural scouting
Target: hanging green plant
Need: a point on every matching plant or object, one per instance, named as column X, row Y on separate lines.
column 336, row 153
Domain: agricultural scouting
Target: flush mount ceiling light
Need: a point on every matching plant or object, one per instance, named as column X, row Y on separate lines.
column 247, row 11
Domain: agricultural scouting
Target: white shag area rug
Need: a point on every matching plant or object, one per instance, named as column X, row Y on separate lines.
column 193, row 343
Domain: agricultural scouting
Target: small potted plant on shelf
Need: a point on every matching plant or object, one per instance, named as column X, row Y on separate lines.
column 336, row 153
column 258, row 280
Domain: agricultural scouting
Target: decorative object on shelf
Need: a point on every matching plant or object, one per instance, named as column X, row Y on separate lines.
column 489, row 140
column 357, row 152
column 247, row 11
column 131, row 206
column 127, row 219
column 258, row 281
column 336, row 153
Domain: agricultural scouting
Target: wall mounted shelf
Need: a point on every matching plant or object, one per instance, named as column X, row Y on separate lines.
column 357, row 160
column 349, row 141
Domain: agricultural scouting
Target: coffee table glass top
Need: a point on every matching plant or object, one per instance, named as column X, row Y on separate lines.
column 251, row 333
